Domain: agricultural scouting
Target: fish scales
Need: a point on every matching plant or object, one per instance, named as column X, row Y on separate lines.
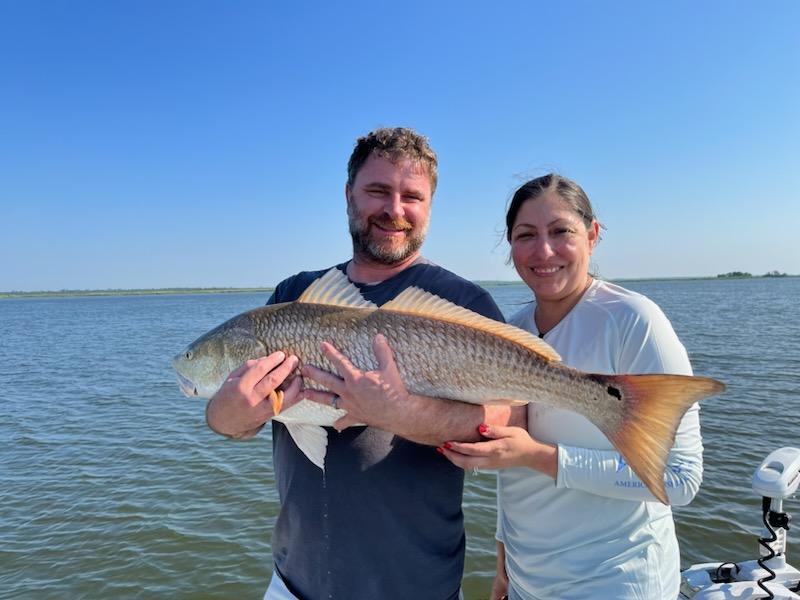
column 435, row 358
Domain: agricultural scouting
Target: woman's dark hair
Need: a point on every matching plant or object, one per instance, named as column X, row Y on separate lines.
column 566, row 189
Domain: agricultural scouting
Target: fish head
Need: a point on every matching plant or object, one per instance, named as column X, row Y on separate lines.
column 204, row 365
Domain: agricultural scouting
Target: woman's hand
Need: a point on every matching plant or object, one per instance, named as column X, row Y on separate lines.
column 505, row 447
column 500, row 583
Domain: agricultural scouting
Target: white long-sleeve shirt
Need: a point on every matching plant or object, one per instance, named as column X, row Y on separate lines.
column 597, row 531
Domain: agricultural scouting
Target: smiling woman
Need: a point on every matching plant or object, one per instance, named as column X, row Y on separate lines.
column 561, row 466
column 551, row 242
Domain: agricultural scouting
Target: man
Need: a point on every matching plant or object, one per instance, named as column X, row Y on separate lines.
column 384, row 520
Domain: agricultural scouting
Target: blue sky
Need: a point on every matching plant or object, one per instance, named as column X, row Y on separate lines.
column 164, row 143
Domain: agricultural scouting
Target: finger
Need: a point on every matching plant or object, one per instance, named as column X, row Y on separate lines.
column 497, row 431
column 275, row 377
column 480, row 449
column 339, row 360
column 293, row 394
column 460, row 460
column 383, row 353
column 318, row 396
column 345, row 422
column 259, row 368
column 281, row 399
column 333, row 382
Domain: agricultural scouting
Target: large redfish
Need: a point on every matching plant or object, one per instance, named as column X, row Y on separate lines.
column 444, row 351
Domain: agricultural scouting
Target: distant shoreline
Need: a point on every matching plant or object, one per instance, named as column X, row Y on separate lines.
column 269, row 290
column 133, row 292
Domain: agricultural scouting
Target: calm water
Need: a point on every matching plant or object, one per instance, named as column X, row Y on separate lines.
column 112, row 487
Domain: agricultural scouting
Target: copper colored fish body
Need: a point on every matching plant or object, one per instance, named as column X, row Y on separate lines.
column 444, row 351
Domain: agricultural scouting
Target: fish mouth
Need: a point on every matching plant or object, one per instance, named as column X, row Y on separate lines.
column 187, row 387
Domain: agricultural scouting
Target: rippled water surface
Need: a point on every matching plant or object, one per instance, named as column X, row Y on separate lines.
column 112, row 487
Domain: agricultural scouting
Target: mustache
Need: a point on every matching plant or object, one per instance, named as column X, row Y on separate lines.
column 385, row 222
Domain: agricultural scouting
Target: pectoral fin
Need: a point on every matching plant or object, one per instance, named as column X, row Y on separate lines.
column 312, row 441
column 276, row 399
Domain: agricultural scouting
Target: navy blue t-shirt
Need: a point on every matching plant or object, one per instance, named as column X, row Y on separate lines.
column 384, row 520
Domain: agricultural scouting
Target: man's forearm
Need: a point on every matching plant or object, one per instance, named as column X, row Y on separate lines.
column 437, row 421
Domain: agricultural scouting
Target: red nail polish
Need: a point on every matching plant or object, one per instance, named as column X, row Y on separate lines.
column 483, row 428
column 440, row 451
column 447, row 445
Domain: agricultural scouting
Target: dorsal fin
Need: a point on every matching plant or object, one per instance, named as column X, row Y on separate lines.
column 334, row 288
column 416, row 301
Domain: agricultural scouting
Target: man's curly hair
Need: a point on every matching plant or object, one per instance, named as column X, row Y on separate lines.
column 394, row 144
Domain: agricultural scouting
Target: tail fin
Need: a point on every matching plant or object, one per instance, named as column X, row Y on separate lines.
column 653, row 407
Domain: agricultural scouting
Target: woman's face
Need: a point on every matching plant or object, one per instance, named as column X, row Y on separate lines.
column 551, row 246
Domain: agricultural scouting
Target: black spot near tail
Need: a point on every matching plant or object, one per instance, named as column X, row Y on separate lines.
column 612, row 391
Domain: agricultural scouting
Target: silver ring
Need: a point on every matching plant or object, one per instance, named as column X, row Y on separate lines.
column 335, row 402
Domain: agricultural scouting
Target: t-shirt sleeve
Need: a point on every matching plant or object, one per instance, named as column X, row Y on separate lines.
column 648, row 344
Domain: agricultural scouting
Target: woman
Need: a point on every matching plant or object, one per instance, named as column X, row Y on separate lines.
column 574, row 521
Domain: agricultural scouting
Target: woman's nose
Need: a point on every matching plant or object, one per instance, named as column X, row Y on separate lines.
column 543, row 247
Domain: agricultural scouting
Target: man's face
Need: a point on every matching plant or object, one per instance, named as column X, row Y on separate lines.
column 388, row 207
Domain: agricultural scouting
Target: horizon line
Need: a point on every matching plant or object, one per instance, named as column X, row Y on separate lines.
column 245, row 289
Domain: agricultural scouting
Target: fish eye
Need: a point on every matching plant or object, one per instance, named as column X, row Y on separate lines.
column 188, row 355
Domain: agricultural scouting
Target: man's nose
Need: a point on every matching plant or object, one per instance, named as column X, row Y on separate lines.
column 394, row 206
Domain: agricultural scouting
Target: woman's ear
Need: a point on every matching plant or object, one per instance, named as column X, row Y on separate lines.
column 594, row 234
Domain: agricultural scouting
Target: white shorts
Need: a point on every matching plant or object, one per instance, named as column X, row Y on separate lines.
column 277, row 590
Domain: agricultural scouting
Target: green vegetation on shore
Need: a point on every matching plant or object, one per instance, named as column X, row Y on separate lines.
column 746, row 275
column 133, row 292
column 268, row 290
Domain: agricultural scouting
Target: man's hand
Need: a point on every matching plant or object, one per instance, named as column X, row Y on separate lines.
column 242, row 405
column 377, row 398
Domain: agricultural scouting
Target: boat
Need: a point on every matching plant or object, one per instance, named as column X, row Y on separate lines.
column 769, row 576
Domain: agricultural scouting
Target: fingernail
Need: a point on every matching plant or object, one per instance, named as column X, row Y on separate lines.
column 447, row 445
column 281, row 355
column 483, row 428
column 440, row 451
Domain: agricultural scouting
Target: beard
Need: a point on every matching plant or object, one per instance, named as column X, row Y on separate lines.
column 384, row 251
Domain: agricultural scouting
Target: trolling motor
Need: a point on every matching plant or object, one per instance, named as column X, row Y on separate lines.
column 769, row 576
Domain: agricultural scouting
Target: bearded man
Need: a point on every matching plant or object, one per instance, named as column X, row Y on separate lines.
column 384, row 520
